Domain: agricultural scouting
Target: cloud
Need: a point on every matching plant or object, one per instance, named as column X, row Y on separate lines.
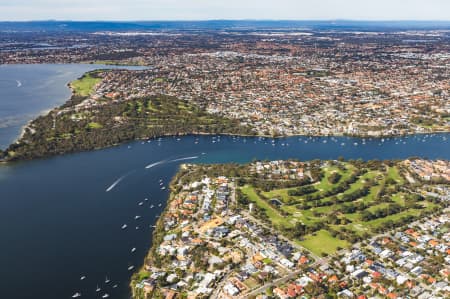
column 224, row 9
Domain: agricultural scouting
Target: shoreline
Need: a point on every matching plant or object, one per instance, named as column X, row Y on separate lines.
column 4, row 162
column 256, row 134
column 147, row 263
column 362, row 137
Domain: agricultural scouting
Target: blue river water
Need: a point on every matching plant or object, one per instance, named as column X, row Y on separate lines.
column 61, row 218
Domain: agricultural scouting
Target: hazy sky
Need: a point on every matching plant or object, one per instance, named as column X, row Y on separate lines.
column 224, row 9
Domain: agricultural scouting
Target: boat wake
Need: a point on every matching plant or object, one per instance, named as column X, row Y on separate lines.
column 155, row 164
column 170, row 161
column 185, row 158
column 118, row 181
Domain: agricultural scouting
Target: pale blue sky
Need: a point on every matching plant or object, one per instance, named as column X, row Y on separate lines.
column 224, row 9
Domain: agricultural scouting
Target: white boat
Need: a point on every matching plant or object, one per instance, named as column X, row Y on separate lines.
column 161, row 183
column 152, row 206
column 153, row 226
column 98, row 289
column 137, row 217
column 133, row 249
column 163, row 188
column 146, row 199
column 130, row 268
column 137, row 227
column 107, row 280
column 160, row 205
column 141, row 203
column 82, row 277
column 124, row 226
column 105, row 296
column 114, row 286
column 76, row 295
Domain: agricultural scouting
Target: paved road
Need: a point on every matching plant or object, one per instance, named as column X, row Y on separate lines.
column 271, row 284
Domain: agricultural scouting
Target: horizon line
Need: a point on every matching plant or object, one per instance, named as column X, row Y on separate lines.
column 224, row 19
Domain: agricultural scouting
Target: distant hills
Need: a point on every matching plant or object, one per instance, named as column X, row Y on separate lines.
column 244, row 25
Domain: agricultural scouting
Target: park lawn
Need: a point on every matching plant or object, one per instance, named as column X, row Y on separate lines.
column 358, row 228
column 382, row 205
column 325, row 185
column 281, row 194
column 322, row 186
column 381, row 221
column 371, row 196
column 354, row 217
column 428, row 205
column 273, row 214
column 399, row 198
column 85, row 85
column 355, row 186
column 394, row 174
column 152, row 107
column 304, row 216
column 94, row 125
column 322, row 242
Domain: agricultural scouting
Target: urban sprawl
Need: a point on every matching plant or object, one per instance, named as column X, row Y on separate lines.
column 268, row 229
column 275, row 82
column 289, row 229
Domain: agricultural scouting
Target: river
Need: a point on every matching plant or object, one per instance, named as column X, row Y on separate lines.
column 61, row 218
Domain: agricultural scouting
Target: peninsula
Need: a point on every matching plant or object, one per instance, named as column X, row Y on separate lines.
column 313, row 80
column 291, row 229
column 92, row 120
